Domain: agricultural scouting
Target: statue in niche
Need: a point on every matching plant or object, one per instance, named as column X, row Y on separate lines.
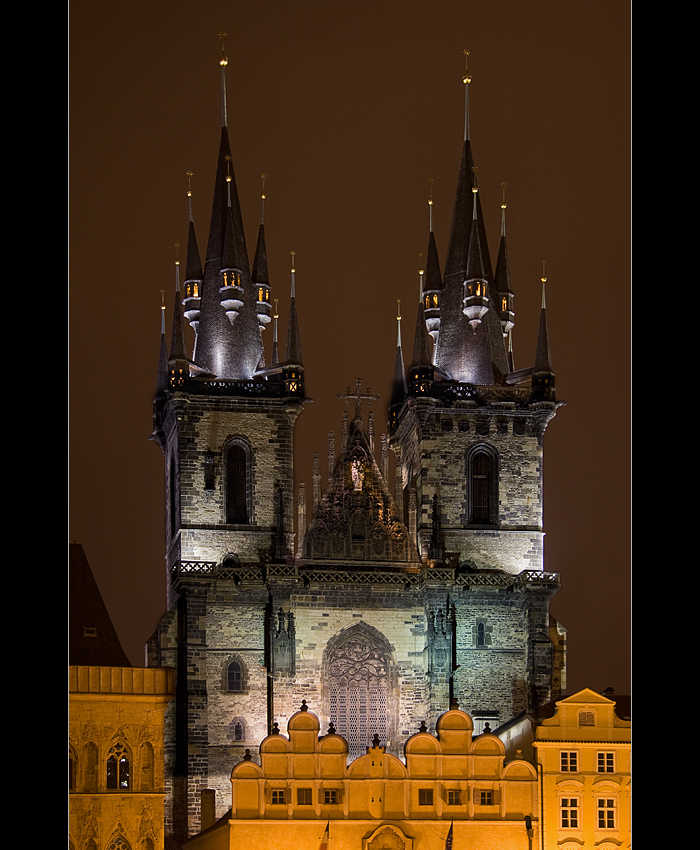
column 358, row 474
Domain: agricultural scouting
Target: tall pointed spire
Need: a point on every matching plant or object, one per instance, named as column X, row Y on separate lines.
column 223, row 62
column 543, row 372
column 463, row 354
column 275, row 347
column 504, row 290
column 193, row 272
column 162, row 377
column 293, row 354
column 432, row 283
column 228, row 353
column 421, row 349
column 399, row 388
column 177, row 339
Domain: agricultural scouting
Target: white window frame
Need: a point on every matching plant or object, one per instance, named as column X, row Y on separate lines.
column 605, row 807
column 566, row 759
column 567, row 807
column 607, row 759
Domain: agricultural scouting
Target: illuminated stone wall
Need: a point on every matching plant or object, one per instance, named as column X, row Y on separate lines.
column 109, row 708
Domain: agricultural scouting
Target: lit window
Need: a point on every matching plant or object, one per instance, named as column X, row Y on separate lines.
column 606, row 762
column 606, row 814
column 569, row 813
column 330, row 796
column 425, row 796
column 486, row 798
column 304, row 797
column 277, row 796
column 453, row 798
column 118, row 768
column 569, row 761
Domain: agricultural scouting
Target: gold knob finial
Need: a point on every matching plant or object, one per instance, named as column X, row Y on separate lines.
column 223, row 61
column 467, row 78
column 503, row 202
column 544, row 276
column 189, row 183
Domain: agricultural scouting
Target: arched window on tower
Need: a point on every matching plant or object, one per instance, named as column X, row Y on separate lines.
column 234, row 677
column 482, row 478
column 238, row 483
column 118, row 778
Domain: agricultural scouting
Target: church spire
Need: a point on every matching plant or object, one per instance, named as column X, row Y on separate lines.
column 421, row 351
column 261, row 282
column 228, row 353
column 469, row 355
column 502, row 281
column 193, row 271
column 177, row 339
column 293, row 354
column 162, row 378
column 543, row 373
column 399, row 388
column 432, row 282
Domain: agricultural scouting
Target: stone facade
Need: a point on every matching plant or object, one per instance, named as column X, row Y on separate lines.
column 116, row 747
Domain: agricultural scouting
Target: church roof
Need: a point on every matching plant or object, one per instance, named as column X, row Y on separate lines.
column 92, row 638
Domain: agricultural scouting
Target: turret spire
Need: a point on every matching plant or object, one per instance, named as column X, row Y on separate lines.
column 177, row 340
column 399, row 387
column 543, row 373
column 293, row 355
column 432, row 282
column 193, row 271
column 502, row 282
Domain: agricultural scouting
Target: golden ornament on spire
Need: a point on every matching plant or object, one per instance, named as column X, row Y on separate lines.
column 503, row 202
column 223, row 61
column 467, row 78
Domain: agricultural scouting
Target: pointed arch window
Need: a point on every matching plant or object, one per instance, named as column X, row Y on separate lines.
column 118, row 772
column 359, row 690
column 482, row 481
column 238, row 495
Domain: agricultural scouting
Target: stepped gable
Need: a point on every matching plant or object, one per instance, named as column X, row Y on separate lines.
column 356, row 520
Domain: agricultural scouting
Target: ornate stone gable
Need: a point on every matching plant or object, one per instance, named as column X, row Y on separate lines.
column 357, row 519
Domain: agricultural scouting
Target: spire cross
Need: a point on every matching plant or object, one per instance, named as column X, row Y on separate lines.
column 359, row 397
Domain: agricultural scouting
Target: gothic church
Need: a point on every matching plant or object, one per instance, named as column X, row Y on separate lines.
column 391, row 602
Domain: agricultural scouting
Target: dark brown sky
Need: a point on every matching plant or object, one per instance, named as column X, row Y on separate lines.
column 350, row 109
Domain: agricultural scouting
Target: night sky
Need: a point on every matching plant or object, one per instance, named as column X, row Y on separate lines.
column 350, row 109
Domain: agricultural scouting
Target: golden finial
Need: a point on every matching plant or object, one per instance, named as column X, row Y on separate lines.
column 544, row 280
column 503, row 202
column 293, row 255
column 189, row 183
column 277, row 315
column 467, row 78
column 263, row 177
column 229, row 160
column 475, row 188
column 398, row 310
column 223, row 61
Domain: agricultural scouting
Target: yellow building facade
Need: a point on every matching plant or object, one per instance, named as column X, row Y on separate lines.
column 584, row 752
column 304, row 793
column 116, row 756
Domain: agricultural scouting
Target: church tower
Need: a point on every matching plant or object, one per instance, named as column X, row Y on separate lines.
column 394, row 601
column 225, row 423
column 468, row 438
